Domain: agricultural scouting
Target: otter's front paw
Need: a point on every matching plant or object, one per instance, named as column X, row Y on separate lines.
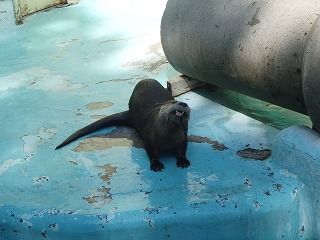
column 156, row 166
column 183, row 162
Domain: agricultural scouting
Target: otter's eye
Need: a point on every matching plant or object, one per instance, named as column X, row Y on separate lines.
column 183, row 104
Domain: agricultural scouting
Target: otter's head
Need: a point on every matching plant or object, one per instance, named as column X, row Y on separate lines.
column 177, row 113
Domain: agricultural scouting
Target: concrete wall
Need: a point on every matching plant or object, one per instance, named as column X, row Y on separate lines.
column 253, row 47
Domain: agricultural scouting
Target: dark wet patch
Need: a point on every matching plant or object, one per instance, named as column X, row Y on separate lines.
column 255, row 154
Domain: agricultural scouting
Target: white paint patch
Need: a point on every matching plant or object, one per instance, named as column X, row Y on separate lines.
column 197, row 186
column 111, row 214
column 8, row 164
column 196, row 189
column 212, row 177
column 26, row 216
column 31, row 143
column 34, row 140
column 288, row 174
column 39, row 78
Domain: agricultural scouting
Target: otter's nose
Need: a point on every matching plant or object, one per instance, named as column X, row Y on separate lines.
column 183, row 104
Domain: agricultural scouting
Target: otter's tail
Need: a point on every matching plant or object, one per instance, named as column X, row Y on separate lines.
column 122, row 118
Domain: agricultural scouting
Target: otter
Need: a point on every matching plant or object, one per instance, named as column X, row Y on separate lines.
column 160, row 120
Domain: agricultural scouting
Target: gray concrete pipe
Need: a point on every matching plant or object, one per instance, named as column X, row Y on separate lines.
column 269, row 50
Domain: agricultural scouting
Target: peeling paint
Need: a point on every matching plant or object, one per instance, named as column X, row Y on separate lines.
column 121, row 136
column 214, row 144
column 108, row 172
column 34, row 140
column 256, row 154
column 99, row 144
column 8, row 164
column 127, row 137
column 155, row 63
column 67, row 43
column 98, row 117
column 99, row 196
column 288, row 174
column 31, row 143
column 45, row 80
column 24, row 9
column 98, row 105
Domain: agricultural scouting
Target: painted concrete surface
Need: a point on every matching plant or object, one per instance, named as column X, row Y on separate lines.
column 297, row 149
column 65, row 68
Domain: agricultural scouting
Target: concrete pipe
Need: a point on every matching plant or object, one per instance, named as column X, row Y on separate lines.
column 269, row 50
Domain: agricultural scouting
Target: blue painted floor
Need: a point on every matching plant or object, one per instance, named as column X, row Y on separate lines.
column 65, row 68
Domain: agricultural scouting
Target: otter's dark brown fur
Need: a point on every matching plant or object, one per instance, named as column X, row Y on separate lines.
column 161, row 121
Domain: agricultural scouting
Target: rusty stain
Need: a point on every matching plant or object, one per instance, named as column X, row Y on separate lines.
column 214, row 144
column 108, row 172
column 99, row 196
column 98, row 105
column 256, row 154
